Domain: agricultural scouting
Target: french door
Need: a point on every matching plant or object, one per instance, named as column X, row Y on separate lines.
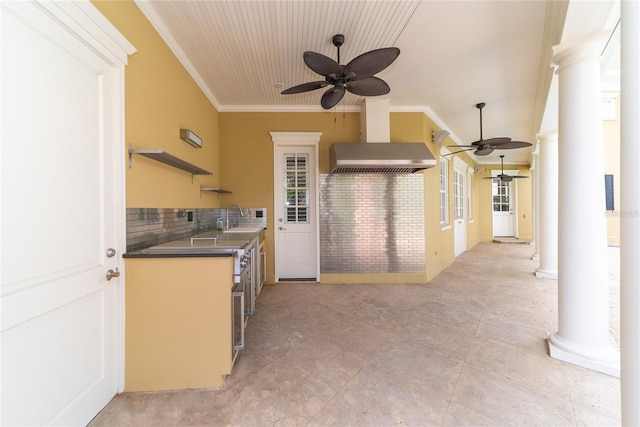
column 502, row 207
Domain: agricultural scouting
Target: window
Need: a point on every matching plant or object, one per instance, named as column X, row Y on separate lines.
column 469, row 200
column 296, row 188
column 608, row 191
column 444, row 192
column 458, row 196
column 501, row 202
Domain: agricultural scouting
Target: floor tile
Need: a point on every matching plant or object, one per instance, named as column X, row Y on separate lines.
column 466, row 349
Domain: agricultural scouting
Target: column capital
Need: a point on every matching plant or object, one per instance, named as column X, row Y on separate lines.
column 547, row 137
column 575, row 51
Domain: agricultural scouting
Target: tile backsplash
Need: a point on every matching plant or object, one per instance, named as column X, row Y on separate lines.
column 152, row 226
column 372, row 223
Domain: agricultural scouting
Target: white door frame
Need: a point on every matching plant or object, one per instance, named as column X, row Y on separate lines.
column 85, row 22
column 513, row 202
column 295, row 139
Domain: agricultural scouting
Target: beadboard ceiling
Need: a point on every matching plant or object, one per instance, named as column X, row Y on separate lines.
column 454, row 54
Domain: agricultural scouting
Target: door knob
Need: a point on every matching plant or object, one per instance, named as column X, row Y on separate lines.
column 111, row 253
column 282, row 228
column 111, row 274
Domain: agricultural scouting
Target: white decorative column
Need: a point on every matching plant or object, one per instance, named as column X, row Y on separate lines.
column 535, row 182
column 583, row 287
column 548, row 206
column 630, row 210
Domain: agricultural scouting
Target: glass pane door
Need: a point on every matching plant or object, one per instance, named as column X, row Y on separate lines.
column 296, row 188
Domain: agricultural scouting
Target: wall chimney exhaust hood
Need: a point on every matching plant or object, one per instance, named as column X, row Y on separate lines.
column 376, row 154
column 400, row 157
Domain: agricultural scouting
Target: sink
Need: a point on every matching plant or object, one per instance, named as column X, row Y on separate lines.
column 243, row 230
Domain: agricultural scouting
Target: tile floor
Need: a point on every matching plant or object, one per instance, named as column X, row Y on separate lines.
column 467, row 348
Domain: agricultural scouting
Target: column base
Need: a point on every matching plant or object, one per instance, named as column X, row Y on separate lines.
column 606, row 361
column 545, row 274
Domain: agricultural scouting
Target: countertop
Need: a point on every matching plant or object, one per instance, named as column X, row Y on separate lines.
column 206, row 244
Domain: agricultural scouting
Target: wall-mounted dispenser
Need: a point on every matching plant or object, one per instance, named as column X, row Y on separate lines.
column 188, row 136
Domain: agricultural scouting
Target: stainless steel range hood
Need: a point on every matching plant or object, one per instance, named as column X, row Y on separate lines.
column 376, row 154
column 361, row 157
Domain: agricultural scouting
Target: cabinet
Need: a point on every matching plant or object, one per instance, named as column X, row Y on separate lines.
column 178, row 330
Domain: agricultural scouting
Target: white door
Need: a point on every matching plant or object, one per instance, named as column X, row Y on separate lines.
column 62, row 209
column 295, row 208
column 502, row 204
column 459, row 220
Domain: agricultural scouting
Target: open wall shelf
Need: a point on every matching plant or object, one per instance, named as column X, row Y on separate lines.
column 162, row 156
column 214, row 190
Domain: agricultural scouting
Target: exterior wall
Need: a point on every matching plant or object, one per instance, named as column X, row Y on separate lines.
column 525, row 204
column 247, row 150
column 160, row 99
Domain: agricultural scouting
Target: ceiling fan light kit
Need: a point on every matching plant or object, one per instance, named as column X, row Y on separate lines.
column 484, row 147
column 356, row 77
column 503, row 176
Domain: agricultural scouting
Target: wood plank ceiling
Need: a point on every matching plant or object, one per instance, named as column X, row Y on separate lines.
column 454, row 54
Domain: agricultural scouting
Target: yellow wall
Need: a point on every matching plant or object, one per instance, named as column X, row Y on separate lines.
column 160, row 99
column 247, row 169
column 525, row 204
column 611, row 135
column 247, row 149
column 439, row 240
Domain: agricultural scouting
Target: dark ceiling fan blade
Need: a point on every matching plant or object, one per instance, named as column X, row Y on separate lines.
column 371, row 86
column 321, row 64
column 459, row 151
column 513, row 144
column 372, row 62
column 332, row 96
column 492, row 141
column 305, row 87
column 463, row 146
column 483, row 151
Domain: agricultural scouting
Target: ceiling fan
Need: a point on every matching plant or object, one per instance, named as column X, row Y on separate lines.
column 502, row 176
column 356, row 77
column 484, row 147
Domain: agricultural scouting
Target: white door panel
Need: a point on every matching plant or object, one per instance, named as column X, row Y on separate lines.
column 61, row 156
column 502, row 207
column 299, row 260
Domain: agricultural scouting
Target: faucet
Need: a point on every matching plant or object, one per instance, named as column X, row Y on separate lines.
column 233, row 205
